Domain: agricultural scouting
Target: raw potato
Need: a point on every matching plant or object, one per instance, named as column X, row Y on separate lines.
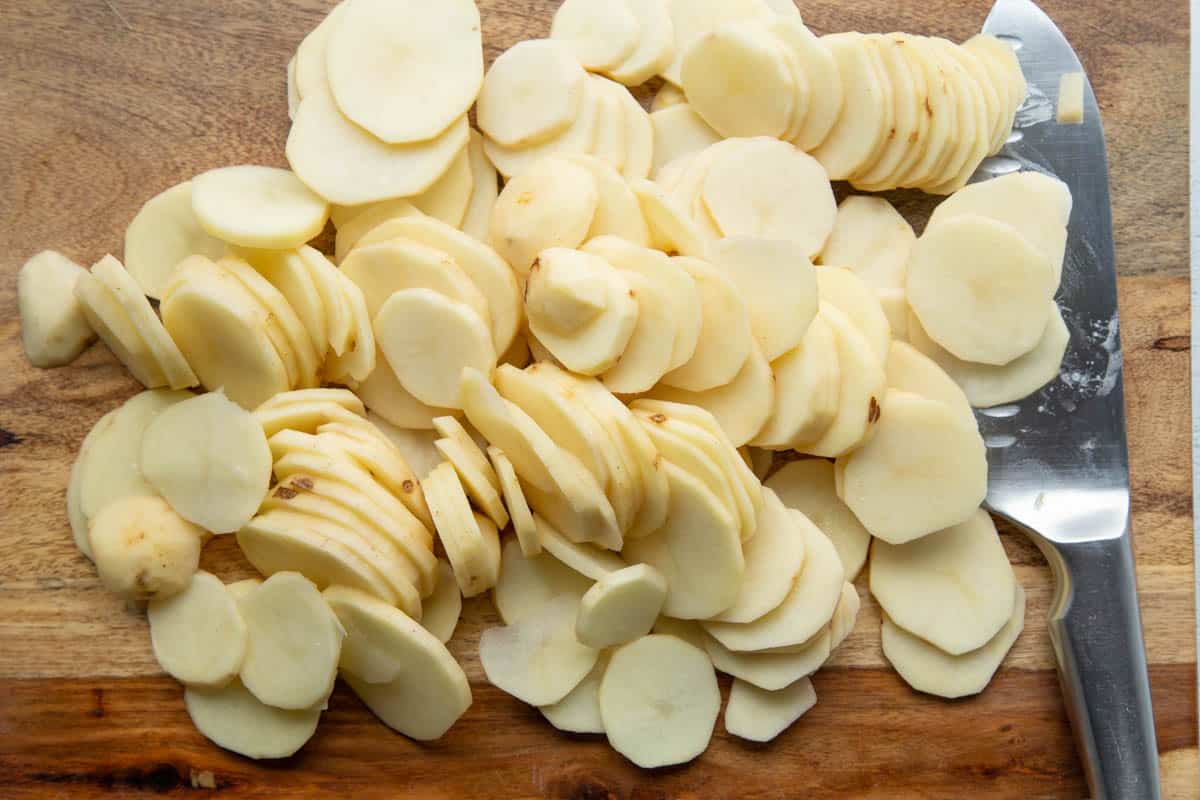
column 814, row 60
column 198, row 635
column 75, row 515
column 234, row 719
column 209, row 458
column 441, row 610
column 639, row 138
column 165, row 232
column 428, row 340
column 679, row 131
column 928, row 669
column 579, row 711
column 531, row 93
column 779, row 285
column 725, row 335
column 415, row 445
column 863, row 123
column 808, row 487
column 618, row 212
column 807, row 389
column 110, row 322
column 384, row 395
column 527, row 583
column 358, row 221
column 909, row 94
column 475, row 481
column 372, row 451
column 405, row 71
column 516, row 504
column 910, row 371
column 668, row 95
column 693, row 19
column 328, row 283
column 757, row 715
column 774, row 558
column 254, row 206
column 381, row 269
column 54, row 329
column 698, row 550
column 742, row 407
column 537, row 659
column 659, row 701
column 310, row 56
column 143, row 550
column 771, row 670
column 239, row 589
column 870, row 237
column 580, row 137
column 955, row 588
column 683, row 451
column 422, row 691
column 924, row 469
column 600, row 33
column 458, row 530
column 655, row 45
column 621, row 606
column 980, row 289
column 287, row 272
column 551, row 204
column 861, row 391
column 671, row 230
column 486, row 188
column 848, row 293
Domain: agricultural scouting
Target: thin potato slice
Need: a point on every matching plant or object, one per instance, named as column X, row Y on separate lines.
column 621, row 606
column 647, row 356
column 528, row 583
column 75, row 515
column 608, row 144
column 479, row 488
column 639, row 139
column 580, row 137
column 617, row 210
column 165, row 232
column 328, row 284
column 850, row 294
column 601, row 34
column 771, row 671
column 236, row 720
column 405, row 71
column 579, row 711
column 774, row 558
column 518, row 508
column 659, row 701
column 358, row 362
column 870, row 237
column 457, row 530
column 726, row 339
column 1001, row 61
column 447, row 199
column 757, row 715
column 552, row 204
column 287, row 271
column 586, row 559
column 808, row 486
column 485, row 189
column 861, row 391
column 441, row 610
column 692, row 20
column 667, row 95
column 531, row 93
column 358, row 221
column 742, row 407
column 655, row 45
column 679, row 131
column 108, row 319
column 385, row 396
column 671, row 230
column 311, row 75
column 910, row 371
column 383, row 268
column 941, row 111
column 372, row 451
column 254, row 206
column 907, row 107
column 861, row 127
column 825, row 101
column 807, row 389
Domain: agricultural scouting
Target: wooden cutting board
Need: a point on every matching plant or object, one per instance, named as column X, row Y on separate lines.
column 106, row 102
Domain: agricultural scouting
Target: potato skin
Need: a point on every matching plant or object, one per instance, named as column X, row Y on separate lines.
column 143, row 549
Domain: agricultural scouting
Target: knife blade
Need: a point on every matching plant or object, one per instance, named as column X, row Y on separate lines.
column 1058, row 461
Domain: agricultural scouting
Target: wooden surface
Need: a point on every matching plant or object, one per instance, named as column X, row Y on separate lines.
column 106, row 102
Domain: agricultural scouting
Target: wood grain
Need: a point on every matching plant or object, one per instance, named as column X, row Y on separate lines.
column 106, row 102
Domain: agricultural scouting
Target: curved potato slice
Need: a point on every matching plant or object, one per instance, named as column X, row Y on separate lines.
column 531, row 93
column 774, row 558
column 252, row 206
column 236, row 720
column 108, row 319
column 850, row 294
column 602, row 35
column 551, row 204
column 198, row 635
column 808, row 486
column 863, row 123
column 807, row 388
column 725, row 339
column 164, row 233
column 862, row 385
column 655, row 44
column 742, row 407
column 485, row 189
column 441, row 610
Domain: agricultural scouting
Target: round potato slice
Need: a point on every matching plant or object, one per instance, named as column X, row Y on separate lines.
column 457, row 530
column 165, row 232
column 928, row 669
column 850, row 294
column 774, row 558
column 479, row 488
column 655, row 46
column 552, row 204
column 287, row 272
column 726, row 339
column 870, row 237
column 328, row 284
column 679, row 131
column 236, row 720
column 531, row 93
column 579, row 711
column 485, row 189
column 942, row 111
column 910, row 371
column 908, row 107
column 405, row 71
column 955, row 588
column 621, row 606
column 824, row 107
column 253, row 206
column 384, row 395
column 808, row 486
column 584, row 558
column 863, row 382
column 639, row 138
column 742, row 407
column 862, row 125
column 442, row 609
column 372, row 451
column 311, row 75
column 110, row 322
column 687, row 455
column 358, row 221
column 537, row 659
column 528, row 583
column 807, row 388
column 647, row 357
column 358, row 362
column 980, row 289
column 659, row 701
column 427, row 690
column 447, row 199
column 1005, row 69
column 608, row 143
column 671, row 230
column 771, row 671
column 581, row 137
column 617, row 210
column 692, row 20
column 75, row 515
column 518, row 508
column 601, row 35
column 384, row 268
column 757, row 715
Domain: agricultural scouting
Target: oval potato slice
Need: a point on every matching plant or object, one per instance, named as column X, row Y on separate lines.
column 485, row 189
column 824, row 106
column 808, row 486
column 863, row 382
column 236, row 720
column 527, row 583
column 253, row 206
column 647, row 356
column 579, row 711
column 758, row 715
column 725, row 339
column 198, row 635
column 165, row 232
column 531, row 93
column 870, row 237
column 742, row 407
column 862, row 124
column 655, row 44
column 774, row 558
column 692, row 20
column 602, row 35
column 850, row 294
column 108, row 319
column 580, row 137
column 807, row 388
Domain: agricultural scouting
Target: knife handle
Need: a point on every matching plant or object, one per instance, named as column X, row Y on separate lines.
column 1096, row 630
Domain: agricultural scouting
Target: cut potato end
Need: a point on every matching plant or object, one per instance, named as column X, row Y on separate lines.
column 808, row 486
column 518, row 507
column 54, row 329
column 198, row 635
column 621, row 606
column 233, row 718
column 143, row 550
column 758, row 715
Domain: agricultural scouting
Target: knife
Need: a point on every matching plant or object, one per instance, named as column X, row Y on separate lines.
column 1058, row 461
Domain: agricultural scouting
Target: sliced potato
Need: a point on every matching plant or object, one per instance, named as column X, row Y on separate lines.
column 442, row 609
column 143, row 550
column 579, row 711
column 808, row 487
column 807, row 389
column 254, row 206
column 54, row 329
column 870, row 237
column 670, row 441
column 105, row 316
column 458, row 530
column 771, row 671
column 655, row 46
column 552, row 204
column 288, row 273
column 621, row 606
column 385, row 396
column 527, row 583
column 618, row 212
column 667, row 95
column 602, row 35
column 742, row 407
column 476, row 483
column 860, row 394
column 236, row 720
column 485, row 189
column 774, row 558
column 639, row 138
column 942, row 111
column 325, row 277
column 725, row 339
column 907, row 107
column 372, row 451
column 531, row 93
column 608, row 142
column 647, row 356
column 447, row 199
column 692, row 20
column 679, row 131
column 824, row 105
column 75, row 515
column 358, row 362
column 671, row 229
column 862, row 125
column 910, row 371
column 514, row 500
column 758, row 715
column 165, row 232
column 850, row 294
column 586, row 559
column 383, row 268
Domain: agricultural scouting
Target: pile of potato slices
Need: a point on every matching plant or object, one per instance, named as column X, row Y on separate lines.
column 658, row 394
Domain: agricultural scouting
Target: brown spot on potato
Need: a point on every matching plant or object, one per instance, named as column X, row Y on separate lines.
column 408, row 485
column 659, row 418
column 285, row 492
column 873, row 411
column 303, row 483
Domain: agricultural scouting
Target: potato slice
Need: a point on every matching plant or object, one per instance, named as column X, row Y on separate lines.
column 458, row 530
column 485, row 189
column 939, row 140
column 75, row 515
column 143, row 550
column 1002, row 64
column 974, row 119
column 955, row 588
column 339, row 331
column 528, row 583
column 870, row 237
column 617, row 210
column 470, row 447
column 298, row 411
column 910, row 371
column 405, row 72
column 518, row 508
column 447, row 199
column 928, row 669
column 698, row 550
column 586, row 559
column 236, row 720
column 774, row 558
column 621, row 606
column 679, row 131
column 552, row 204
column 805, row 610
column 907, row 108
column 979, row 289
column 608, row 143
column 383, row 268
column 537, row 659
column 850, row 294
column 725, row 339
column 479, row 489
column 863, row 124
column 742, row 407
column 808, row 486
column 108, row 319
column 771, row 671
column 655, row 46
column 807, row 388
column 531, row 93
column 254, row 206
column 359, row 221
column 692, row 20
column 757, row 715
column 54, row 329
column 824, row 107
column 862, row 386
column 427, row 690
column 442, row 609
column 309, row 61
column 659, row 701
column 358, row 362
column 384, row 395
column 639, row 138
column 415, row 445
column 770, row 189
column 579, row 711
column 372, row 451
column 580, row 138
column 601, row 35
column 288, row 273
column 647, row 356
column 165, row 232
column 739, row 80
column 688, row 455
column 671, row 230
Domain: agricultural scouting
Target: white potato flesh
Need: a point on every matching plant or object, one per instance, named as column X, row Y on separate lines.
column 441, row 610
column 165, row 232
column 209, row 458
column 75, row 515
column 471, row 446
column 808, row 487
column 779, row 285
column 726, row 338
column 824, row 107
column 679, row 131
column 198, row 635
column 105, row 316
column 667, row 95
column 807, row 389
column 850, row 294
column 1001, row 62
column 538, row 659
column 233, row 718
column 608, row 143
column 908, row 100
column 955, row 588
column 698, row 549
column 894, row 303
column 770, row 189
column 428, row 339
column 380, row 269
column 311, row 75
column 655, row 45
column 974, row 118
column 447, row 199
column 771, row 671
column 415, row 445
column 580, row 137
column 485, row 189
column 531, row 93
column 621, row 606
column 457, row 530
column 339, row 328
column 647, row 356
column 478, row 487
column 803, row 613
column 289, row 274
column 911, row 371
column 870, row 237
column 581, row 309
column 254, row 206
column 739, row 80
column 639, row 138
column 239, row 589
column 508, row 427
column 518, row 507
column 940, row 137
column 300, row 411
column 384, row 395
column 742, row 407
column 143, row 550
column 980, row 289
column 427, row 691
column 552, row 204
column 586, row 559
column 579, row 711
column 659, row 701
column 601, row 34
column 692, row 20
column 959, row 102
column 774, row 558
column 405, row 71
column 845, row 615
column 618, row 212
column 928, row 669
column 54, row 329
column 861, row 391
column 372, row 451
column 300, row 356
column 757, row 715
column 358, row 362
column 528, row 583
column 861, row 126
column 358, row 221
column 671, row 230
